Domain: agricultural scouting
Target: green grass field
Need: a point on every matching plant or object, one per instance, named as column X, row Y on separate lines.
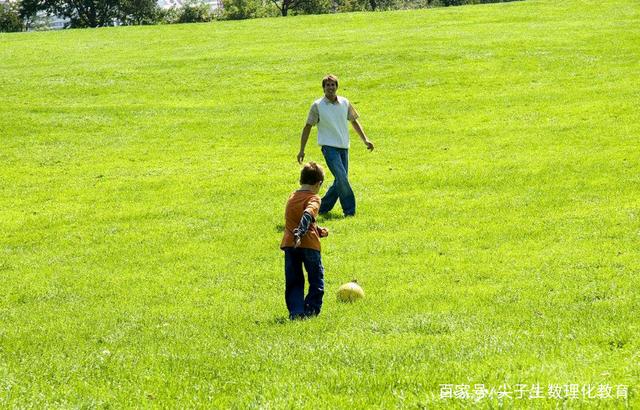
column 143, row 176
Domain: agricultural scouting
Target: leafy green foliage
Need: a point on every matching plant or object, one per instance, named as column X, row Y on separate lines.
column 315, row 7
column 86, row 13
column 94, row 13
column 246, row 9
column 139, row 12
column 10, row 18
column 195, row 11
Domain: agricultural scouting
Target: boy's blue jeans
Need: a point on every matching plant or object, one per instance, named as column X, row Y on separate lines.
column 297, row 303
column 337, row 160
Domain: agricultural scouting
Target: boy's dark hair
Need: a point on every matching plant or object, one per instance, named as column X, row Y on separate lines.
column 311, row 173
column 329, row 77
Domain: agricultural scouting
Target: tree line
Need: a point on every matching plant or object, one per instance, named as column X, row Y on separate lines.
column 20, row 15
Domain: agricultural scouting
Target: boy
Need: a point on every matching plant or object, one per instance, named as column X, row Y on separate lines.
column 301, row 245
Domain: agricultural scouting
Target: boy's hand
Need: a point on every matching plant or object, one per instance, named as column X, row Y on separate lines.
column 297, row 241
column 323, row 232
column 300, row 157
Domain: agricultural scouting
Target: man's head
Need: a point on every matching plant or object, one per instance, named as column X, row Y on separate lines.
column 330, row 86
column 312, row 174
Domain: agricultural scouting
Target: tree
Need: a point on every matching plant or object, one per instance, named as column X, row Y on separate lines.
column 194, row 11
column 285, row 5
column 139, row 12
column 315, row 7
column 94, row 13
column 10, row 19
column 347, row 6
column 86, row 13
column 239, row 9
column 33, row 15
column 81, row 13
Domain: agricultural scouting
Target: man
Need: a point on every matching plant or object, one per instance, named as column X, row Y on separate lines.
column 331, row 114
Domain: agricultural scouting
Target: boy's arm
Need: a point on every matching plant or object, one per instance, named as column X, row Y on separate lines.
column 302, row 228
column 322, row 232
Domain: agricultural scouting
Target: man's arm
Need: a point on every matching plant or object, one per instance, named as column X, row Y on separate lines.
column 312, row 119
column 303, row 141
column 356, row 126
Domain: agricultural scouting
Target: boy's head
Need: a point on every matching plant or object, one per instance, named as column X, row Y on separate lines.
column 311, row 174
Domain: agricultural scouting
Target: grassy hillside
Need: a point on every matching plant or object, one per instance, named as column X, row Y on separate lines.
column 143, row 175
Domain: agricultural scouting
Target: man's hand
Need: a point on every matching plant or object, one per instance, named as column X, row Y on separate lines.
column 297, row 241
column 369, row 145
column 300, row 157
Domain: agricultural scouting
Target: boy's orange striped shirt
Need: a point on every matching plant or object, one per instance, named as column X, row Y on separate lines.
column 299, row 202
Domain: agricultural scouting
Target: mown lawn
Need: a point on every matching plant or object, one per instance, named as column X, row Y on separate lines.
column 143, row 175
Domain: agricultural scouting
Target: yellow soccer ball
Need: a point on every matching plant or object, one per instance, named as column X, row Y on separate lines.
column 350, row 292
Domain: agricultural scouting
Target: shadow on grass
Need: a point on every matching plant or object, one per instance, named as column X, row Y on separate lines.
column 280, row 320
column 330, row 217
column 283, row 320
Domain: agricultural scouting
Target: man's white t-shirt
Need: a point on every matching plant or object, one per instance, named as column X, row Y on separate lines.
column 332, row 120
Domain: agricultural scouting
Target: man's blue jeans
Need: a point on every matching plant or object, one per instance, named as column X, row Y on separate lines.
column 337, row 160
column 299, row 305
